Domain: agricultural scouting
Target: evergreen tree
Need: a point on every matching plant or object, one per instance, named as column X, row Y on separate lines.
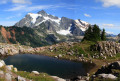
column 96, row 33
column 103, row 36
column 92, row 34
column 88, row 34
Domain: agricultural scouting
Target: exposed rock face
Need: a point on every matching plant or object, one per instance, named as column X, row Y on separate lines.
column 118, row 35
column 107, row 48
column 119, row 38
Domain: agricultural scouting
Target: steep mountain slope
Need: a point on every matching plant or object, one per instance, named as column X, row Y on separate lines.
column 63, row 26
column 119, row 38
column 25, row 36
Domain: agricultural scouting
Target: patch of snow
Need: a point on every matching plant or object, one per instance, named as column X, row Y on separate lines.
column 55, row 20
column 82, row 27
column 47, row 18
column 34, row 16
column 84, row 22
column 65, row 32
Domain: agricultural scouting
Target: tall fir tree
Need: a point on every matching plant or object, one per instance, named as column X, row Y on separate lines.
column 103, row 36
column 88, row 34
column 96, row 33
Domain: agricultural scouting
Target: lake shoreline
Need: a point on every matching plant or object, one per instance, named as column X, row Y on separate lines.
column 67, row 64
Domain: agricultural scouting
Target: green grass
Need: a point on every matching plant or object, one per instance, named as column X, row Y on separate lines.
column 78, row 49
column 34, row 77
column 1, row 79
column 3, row 69
column 31, row 76
column 115, row 57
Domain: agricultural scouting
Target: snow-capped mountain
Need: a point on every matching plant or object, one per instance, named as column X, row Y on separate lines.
column 63, row 26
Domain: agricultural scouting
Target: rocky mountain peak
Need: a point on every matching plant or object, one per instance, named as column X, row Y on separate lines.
column 118, row 35
column 43, row 13
column 53, row 23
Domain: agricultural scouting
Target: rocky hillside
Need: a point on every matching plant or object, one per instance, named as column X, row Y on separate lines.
column 12, row 49
column 34, row 37
column 90, row 50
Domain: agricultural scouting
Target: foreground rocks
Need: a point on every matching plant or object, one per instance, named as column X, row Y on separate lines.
column 36, row 72
column 107, row 76
column 111, row 71
column 58, row 79
column 7, row 73
column 2, row 63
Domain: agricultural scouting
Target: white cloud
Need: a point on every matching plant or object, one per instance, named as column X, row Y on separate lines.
column 16, row 1
column 11, row 17
column 21, row 1
column 3, row 1
column 39, row 7
column 108, row 32
column 108, row 3
column 108, row 25
column 32, row 8
column 87, row 15
column 17, row 7
column 8, row 23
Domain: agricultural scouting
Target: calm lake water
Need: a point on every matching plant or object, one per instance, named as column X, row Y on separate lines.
column 62, row 68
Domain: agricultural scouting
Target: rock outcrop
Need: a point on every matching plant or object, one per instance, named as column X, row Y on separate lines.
column 106, row 48
column 12, row 49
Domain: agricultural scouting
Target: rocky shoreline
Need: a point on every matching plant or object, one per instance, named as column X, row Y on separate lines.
column 9, row 73
column 6, row 73
column 12, row 49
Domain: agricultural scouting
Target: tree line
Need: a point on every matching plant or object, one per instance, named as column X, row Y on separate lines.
column 94, row 34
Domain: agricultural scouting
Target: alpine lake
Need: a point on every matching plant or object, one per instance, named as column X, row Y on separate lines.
column 55, row 67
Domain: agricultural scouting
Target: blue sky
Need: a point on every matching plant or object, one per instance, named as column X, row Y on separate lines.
column 104, row 13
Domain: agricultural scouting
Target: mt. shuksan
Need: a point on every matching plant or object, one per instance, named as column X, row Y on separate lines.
column 63, row 26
